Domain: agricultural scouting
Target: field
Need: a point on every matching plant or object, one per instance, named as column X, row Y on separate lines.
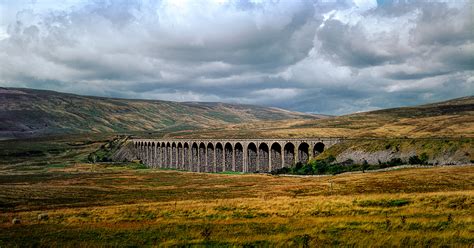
column 106, row 205
column 56, row 198
column 453, row 119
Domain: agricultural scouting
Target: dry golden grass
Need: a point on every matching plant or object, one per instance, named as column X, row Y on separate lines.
column 452, row 119
column 102, row 205
column 373, row 126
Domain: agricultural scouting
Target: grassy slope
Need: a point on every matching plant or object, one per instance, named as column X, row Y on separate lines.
column 27, row 112
column 101, row 205
column 454, row 118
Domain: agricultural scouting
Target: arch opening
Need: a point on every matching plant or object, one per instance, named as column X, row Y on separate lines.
column 276, row 156
column 289, row 155
column 318, row 149
column 148, row 154
column 229, row 157
column 194, row 157
column 173, row 156
column 303, row 153
column 142, row 152
column 263, row 158
column 158, row 155
column 252, row 157
column 219, row 158
column 186, row 163
column 163, row 155
column 239, row 157
column 179, row 159
column 210, row 158
column 202, row 158
column 145, row 153
column 168, row 155
column 153, row 155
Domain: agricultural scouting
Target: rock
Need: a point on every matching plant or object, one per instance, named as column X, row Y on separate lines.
column 16, row 221
column 43, row 216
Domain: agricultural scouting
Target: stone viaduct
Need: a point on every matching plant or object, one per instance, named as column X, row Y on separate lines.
column 217, row 155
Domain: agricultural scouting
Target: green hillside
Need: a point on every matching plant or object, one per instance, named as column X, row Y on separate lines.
column 28, row 113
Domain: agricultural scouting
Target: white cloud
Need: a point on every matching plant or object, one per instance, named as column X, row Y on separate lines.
column 308, row 55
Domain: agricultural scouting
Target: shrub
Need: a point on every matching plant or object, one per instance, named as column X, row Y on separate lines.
column 365, row 166
column 284, row 170
column 423, row 159
column 206, row 233
column 384, row 203
column 395, row 162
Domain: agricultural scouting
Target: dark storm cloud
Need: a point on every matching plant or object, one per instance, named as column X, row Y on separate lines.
column 348, row 45
column 330, row 57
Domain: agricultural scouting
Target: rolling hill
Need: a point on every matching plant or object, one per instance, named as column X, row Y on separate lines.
column 30, row 113
column 451, row 119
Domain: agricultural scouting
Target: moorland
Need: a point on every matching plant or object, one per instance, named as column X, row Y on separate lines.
column 51, row 194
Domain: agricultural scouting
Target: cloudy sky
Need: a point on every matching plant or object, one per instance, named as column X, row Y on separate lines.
column 321, row 56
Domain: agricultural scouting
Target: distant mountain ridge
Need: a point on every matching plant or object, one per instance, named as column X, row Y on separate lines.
column 29, row 112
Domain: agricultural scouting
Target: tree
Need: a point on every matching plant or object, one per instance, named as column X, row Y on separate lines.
column 365, row 166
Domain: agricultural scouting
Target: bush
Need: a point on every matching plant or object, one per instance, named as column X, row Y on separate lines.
column 320, row 167
column 423, row 159
column 391, row 163
column 329, row 167
column 365, row 166
column 384, row 203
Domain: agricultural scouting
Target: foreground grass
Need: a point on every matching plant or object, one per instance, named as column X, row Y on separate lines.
column 101, row 205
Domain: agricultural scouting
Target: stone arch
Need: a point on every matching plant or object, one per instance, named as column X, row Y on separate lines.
column 229, row 157
column 179, row 159
column 318, row 148
column 289, row 154
column 303, row 153
column 148, row 153
column 158, row 154
column 140, row 151
column 152, row 155
column 194, row 157
column 276, row 156
column 144, row 152
column 202, row 158
column 239, row 157
column 186, row 163
column 219, row 157
column 210, row 158
column 173, row 155
column 252, row 157
column 263, row 158
column 163, row 155
column 168, row 155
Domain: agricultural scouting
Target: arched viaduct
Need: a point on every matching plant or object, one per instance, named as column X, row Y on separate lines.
column 217, row 155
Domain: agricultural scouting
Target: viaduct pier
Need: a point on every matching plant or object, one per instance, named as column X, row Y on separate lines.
column 218, row 155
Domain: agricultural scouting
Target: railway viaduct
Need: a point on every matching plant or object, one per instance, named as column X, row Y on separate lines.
column 217, row 155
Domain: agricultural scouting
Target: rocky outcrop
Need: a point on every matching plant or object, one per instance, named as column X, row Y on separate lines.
column 456, row 157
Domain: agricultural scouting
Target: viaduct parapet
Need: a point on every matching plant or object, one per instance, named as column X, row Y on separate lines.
column 218, row 155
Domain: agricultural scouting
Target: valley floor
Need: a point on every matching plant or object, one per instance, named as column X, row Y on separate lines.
column 110, row 205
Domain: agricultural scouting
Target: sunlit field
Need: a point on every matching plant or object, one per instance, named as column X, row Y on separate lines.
column 83, row 205
column 327, row 123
